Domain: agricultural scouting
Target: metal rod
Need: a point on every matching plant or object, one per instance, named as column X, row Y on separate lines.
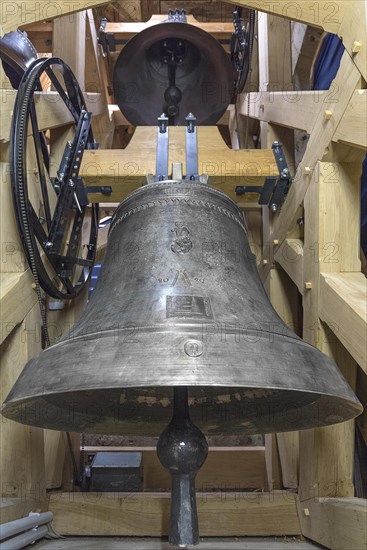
column 182, row 449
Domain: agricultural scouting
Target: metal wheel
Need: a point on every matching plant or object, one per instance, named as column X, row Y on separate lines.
column 50, row 200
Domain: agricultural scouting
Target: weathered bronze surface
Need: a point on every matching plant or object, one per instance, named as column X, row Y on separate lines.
column 179, row 303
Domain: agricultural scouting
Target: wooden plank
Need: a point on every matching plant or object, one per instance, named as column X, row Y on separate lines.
column 69, row 43
column 12, row 256
column 96, row 81
column 273, row 468
column 284, row 298
column 225, row 468
column 22, row 467
column 292, row 109
column 51, row 110
column 299, row 110
column 336, row 523
column 125, row 170
column 352, row 127
column 340, row 226
column 290, row 257
column 288, row 445
column 343, row 307
column 54, row 449
column 17, row 13
column 126, row 30
column 141, row 514
column 16, row 299
column 222, row 470
column 40, row 34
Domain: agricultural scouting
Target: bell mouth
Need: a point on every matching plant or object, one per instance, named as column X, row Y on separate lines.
column 215, row 410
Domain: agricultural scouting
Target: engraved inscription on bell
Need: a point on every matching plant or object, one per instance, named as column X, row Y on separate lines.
column 184, row 307
column 182, row 244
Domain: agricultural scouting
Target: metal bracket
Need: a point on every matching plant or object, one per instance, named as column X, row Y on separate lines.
column 103, row 189
column 192, row 169
column 275, row 188
column 161, row 169
column 107, row 40
column 177, row 16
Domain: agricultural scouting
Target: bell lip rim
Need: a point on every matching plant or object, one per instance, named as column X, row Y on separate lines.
column 355, row 408
column 356, row 404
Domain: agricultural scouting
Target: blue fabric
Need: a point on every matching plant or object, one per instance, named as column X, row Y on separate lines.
column 328, row 62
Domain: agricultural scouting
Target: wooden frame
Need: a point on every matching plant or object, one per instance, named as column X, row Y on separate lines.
column 322, row 266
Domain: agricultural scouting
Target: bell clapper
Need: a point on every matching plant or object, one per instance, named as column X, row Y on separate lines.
column 182, row 449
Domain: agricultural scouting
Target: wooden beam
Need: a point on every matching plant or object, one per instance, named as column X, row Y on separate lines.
column 288, row 108
column 284, row 299
column 299, row 110
column 290, row 257
column 96, row 80
column 51, row 110
column 336, row 523
column 22, row 466
column 326, row 467
column 12, row 256
column 273, row 468
column 352, row 127
column 222, row 470
column 69, row 43
column 17, row 13
column 126, row 30
column 125, row 170
column 321, row 135
column 140, row 514
column 238, row 468
column 343, row 298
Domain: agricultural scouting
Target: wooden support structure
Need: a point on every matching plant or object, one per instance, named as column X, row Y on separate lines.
column 308, row 256
column 126, row 170
column 220, row 514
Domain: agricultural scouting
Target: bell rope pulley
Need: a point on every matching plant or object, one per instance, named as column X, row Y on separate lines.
column 49, row 196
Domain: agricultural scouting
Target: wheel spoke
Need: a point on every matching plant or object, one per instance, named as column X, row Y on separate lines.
column 40, row 164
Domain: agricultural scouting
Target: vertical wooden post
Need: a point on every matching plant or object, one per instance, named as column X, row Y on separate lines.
column 275, row 74
column 326, row 465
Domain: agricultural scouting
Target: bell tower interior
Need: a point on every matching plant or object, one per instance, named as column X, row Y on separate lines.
column 183, row 274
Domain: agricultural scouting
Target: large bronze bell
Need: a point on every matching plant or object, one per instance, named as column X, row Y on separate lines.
column 173, row 68
column 179, row 303
column 179, row 317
